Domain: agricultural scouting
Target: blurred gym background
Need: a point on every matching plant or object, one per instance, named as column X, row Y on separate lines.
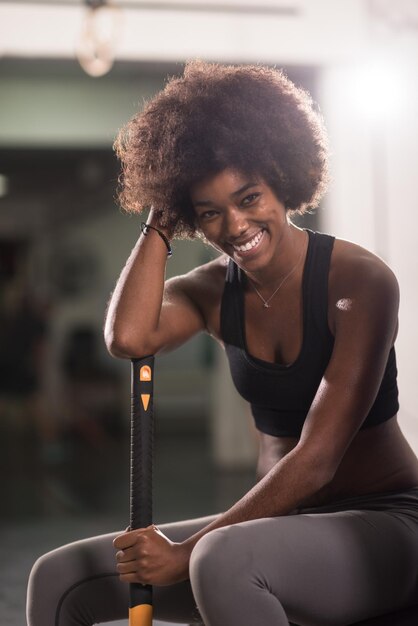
column 71, row 74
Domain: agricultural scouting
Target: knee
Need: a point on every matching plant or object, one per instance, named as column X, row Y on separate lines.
column 44, row 581
column 204, row 560
column 218, row 559
column 56, row 593
column 43, row 572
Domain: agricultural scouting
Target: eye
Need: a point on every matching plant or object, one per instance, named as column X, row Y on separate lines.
column 250, row 199
column 208, row 215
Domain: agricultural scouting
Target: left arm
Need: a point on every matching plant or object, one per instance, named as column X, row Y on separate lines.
column 366, row 302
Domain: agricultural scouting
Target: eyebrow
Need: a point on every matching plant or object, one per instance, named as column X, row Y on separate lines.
column 234, row 194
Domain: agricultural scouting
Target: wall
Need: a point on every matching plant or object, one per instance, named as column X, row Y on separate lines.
column 372, row 200
column 41, row 107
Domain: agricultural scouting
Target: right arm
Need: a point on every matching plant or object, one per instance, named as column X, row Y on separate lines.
column 147, row 315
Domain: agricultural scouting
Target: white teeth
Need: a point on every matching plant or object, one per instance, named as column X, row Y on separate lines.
column 251, row 244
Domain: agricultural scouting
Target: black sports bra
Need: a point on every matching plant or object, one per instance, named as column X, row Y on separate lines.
column 281, row 395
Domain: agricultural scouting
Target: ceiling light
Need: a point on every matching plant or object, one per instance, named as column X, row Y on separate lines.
column 100, row 33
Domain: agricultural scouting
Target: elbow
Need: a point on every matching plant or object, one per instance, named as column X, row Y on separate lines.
column 319, row 472
column 325, row 477
column 116, row 350
column 318, row 479
column 125, row 347
column 323, row 470
column 116, row 347
column 316, row 484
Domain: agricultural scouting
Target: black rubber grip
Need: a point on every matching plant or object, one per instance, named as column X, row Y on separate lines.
column 142, row 453
column 139, row 594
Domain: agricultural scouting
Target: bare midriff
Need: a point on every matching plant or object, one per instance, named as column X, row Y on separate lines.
column 379, row 459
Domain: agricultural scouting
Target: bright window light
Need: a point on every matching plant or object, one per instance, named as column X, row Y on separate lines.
column 379, row 89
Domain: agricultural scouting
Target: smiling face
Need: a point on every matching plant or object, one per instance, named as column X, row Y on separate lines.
column 240, row 216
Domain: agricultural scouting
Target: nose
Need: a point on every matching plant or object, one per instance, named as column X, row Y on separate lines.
column 235, row 223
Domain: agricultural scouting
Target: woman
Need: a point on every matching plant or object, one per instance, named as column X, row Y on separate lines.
column 329, row 534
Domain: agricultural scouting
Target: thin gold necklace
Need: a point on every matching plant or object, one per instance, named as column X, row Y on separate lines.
column 266, row 302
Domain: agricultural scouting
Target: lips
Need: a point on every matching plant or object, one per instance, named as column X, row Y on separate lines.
column 250, row 244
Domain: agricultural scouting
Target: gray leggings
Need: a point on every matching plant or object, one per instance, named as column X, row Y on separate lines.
column 324, row 566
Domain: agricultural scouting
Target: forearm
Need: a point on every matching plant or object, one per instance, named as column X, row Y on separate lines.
column 135, row 305
column 291, row 481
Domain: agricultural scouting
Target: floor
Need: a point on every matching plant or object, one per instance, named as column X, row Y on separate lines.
column 81, row 489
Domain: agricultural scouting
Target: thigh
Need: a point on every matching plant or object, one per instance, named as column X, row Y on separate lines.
column 333, row 568
column 77, row 584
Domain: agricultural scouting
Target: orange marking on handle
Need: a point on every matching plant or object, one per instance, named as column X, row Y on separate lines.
column 140, row 615
column 145, row 373
column 145, row 397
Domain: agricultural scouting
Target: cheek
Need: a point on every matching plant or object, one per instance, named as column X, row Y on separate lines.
column 273, row 217
column 210, row 230
column 269, row 211
column 212, row 238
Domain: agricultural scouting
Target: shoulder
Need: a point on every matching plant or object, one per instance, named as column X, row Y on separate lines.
column 361, row 282
column 354, row 268
column 203, row 284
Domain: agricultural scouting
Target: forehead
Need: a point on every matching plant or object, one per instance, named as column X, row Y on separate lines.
column 226, row 182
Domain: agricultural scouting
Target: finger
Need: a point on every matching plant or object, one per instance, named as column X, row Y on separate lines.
column 139, row 550
column 125, row 556
column 126, row 568
column 126, row 540
column 122, row 542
